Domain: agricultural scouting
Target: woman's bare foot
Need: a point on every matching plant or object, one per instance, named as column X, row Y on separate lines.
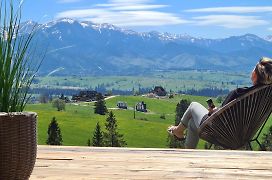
column 177, row 131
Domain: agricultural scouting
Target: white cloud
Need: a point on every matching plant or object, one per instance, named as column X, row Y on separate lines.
column 68, row 1
column 230, row 21
column 234, row 9
column 130, row 1
column 124, row 18
column 137, row 18
column 132, row 7
column 83, row 13
column 269, row 29
column 125, row 13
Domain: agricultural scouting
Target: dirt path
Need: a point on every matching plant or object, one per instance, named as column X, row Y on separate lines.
column 111, row 97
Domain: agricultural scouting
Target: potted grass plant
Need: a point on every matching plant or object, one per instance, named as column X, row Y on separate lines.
column 18, row 66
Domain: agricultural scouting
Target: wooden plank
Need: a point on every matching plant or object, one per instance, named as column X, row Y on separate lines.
column 132, row 163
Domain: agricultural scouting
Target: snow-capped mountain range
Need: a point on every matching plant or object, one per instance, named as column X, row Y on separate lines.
column 101, row 49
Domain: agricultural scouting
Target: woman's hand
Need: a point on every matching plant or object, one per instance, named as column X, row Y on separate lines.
column 211, row 110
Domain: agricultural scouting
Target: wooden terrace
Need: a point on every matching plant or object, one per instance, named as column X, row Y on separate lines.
column 67, row 162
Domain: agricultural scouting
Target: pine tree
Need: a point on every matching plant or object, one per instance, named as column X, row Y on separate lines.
column 99, row 96
column 97, row 136
column 54, row 133
column 112, row 138
column 180, row 110
column 100, row 105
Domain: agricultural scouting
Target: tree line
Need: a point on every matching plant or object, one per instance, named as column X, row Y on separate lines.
column 49, row 92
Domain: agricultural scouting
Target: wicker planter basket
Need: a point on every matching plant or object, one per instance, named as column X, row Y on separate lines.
column 18, row 145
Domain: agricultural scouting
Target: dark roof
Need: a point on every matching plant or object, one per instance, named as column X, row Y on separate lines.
column 158, row 87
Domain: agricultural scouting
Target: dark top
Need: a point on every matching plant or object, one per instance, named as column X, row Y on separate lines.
column 233, row 95
column 237, row 93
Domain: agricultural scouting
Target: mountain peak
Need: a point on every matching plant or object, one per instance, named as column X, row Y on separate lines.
column 67, row 20
column 105, row 26
column 30, row 22
column 62, row 20
column 250, row 37
column 27, row 26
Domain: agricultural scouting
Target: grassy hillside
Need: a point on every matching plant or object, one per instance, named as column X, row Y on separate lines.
column 78, row 121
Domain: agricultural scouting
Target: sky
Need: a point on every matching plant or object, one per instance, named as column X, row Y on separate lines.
column 199, row 18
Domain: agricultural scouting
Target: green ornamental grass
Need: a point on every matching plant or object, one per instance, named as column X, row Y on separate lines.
column 17, row 69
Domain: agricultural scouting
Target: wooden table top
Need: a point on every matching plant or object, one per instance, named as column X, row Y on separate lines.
column 66, row 162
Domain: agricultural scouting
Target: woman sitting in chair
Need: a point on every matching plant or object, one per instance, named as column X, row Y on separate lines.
column 196, row 114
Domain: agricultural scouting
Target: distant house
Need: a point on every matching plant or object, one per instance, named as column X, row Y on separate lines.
column 159, row 91
column 86, row 96
column 151, row 95
column 141, row 106
column 122, row 105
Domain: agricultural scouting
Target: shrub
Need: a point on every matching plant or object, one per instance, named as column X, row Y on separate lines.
column 162, row 116
column 59, row 104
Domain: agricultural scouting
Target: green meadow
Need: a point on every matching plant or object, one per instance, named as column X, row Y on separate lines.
column 78, row 121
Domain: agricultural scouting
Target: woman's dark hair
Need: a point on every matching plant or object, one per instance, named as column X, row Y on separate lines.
column 263, row 70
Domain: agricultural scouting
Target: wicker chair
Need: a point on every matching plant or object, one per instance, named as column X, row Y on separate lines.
column 235, row 124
